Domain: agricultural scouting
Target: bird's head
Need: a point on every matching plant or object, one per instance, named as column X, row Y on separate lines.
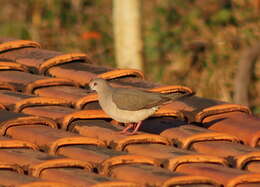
column 98, row 84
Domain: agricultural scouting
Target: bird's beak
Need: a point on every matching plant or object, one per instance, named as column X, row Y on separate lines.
column 90, row 84
column 90, row 88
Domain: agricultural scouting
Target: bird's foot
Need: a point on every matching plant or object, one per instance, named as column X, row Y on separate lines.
column 134, row 126
column 125, row 130
column 129, row 133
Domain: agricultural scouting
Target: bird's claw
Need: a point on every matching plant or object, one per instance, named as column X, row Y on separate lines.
column 127, row 133
column 133, row 126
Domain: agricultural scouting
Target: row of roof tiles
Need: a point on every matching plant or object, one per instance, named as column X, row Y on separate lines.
column 53, row 131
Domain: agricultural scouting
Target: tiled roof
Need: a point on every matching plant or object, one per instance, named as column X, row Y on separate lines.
column 53, row 132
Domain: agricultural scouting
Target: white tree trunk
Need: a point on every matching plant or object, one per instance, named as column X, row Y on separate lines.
column 127, row 33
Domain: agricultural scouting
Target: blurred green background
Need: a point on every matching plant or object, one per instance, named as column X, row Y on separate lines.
column 196, row 43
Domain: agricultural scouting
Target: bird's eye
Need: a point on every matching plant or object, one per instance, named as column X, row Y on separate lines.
column 94, row 84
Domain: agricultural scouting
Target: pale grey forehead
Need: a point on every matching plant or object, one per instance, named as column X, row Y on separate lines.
column 98, row 82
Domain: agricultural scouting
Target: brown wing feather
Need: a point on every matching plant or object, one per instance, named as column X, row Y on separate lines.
column 131, row 99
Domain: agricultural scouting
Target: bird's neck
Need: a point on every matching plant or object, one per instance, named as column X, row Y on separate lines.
column 107, row 89
column 104, row 96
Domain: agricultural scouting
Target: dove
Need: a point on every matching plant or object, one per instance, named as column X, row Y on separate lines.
column 129, row 105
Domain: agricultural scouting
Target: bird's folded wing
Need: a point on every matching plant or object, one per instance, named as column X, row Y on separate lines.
column 132, row 100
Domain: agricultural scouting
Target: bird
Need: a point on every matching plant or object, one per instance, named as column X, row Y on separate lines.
column 129, row 105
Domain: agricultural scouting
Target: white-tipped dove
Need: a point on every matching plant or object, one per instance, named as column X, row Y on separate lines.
column 129, row 105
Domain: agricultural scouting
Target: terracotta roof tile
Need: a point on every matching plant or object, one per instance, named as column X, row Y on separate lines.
column 10, row 65
column 223, row 175
column 80, row 74
column 7, row 86
column 7, row 44
column 70, row 93
column 54, row 133
column 156, row 176
column 13, row 143
column 17, row 102
column 42, row 165
column 28, row 83
column 234, row 123
column 42, row 83
column 12, row 119
column 78, row 177
column 187, row 135
column 171, row 157
column 12, row 178
column 45, row 183
column 239, row 156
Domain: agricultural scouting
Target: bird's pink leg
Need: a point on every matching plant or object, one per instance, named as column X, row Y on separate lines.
column 129, row 126
column 136, row 127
